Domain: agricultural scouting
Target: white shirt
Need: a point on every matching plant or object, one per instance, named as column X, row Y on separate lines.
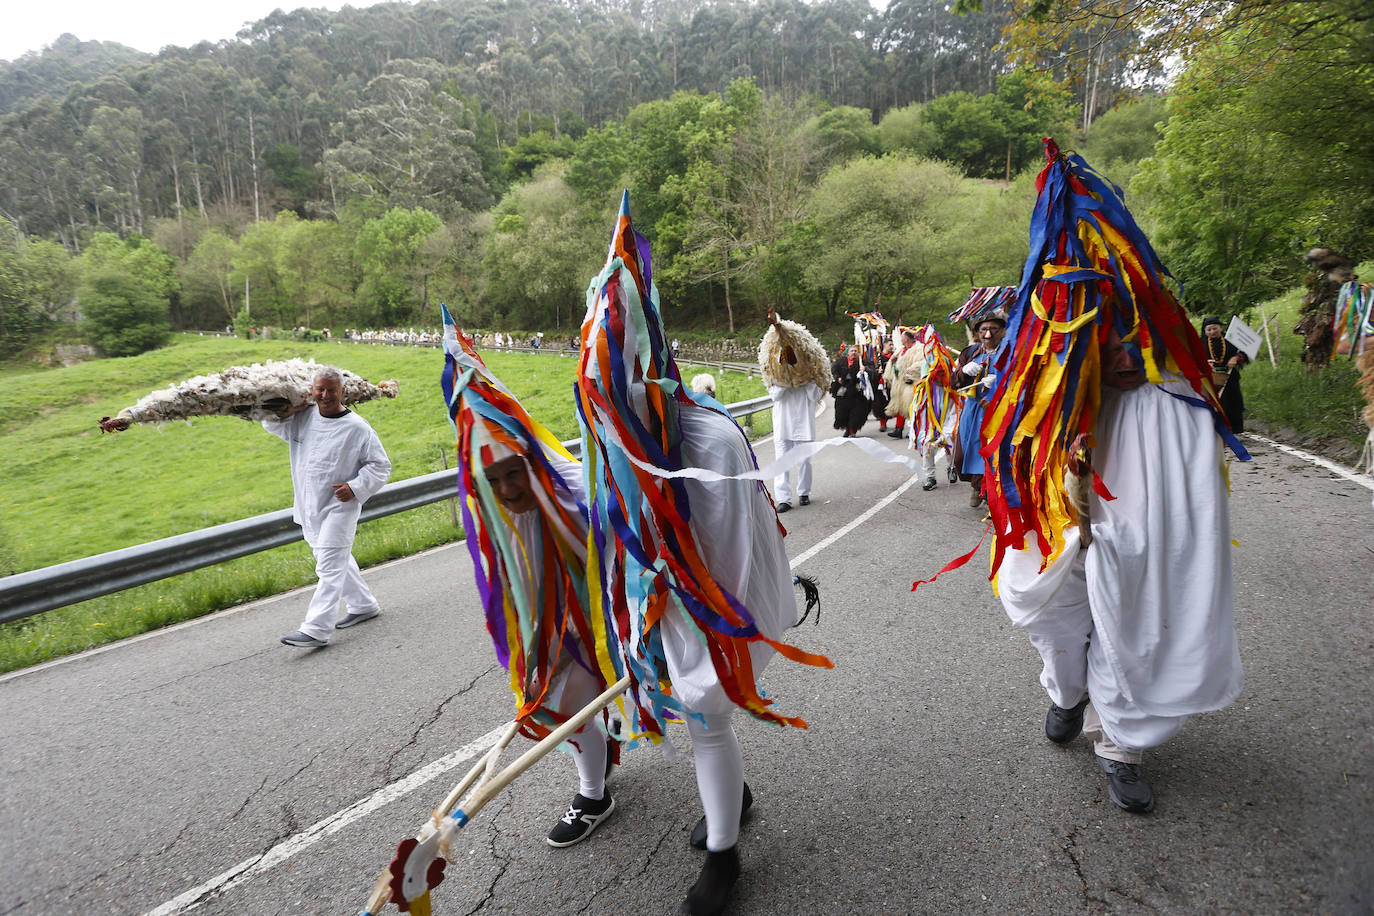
column 794, row 411
column 324, row 452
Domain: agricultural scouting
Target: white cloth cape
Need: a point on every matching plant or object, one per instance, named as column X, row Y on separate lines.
column 1159, row 576
column 737, row 530
column 327, row 451
column 794, row 411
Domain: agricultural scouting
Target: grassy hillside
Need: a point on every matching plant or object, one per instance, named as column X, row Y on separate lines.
column 74, row 492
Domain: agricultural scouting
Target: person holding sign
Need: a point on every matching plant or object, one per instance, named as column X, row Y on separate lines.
column 1226, row 359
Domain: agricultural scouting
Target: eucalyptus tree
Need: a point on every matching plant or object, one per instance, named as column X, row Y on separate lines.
column 410, row 144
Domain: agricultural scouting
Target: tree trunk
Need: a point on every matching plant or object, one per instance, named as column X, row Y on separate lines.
column 729, row 307
column 253, row 162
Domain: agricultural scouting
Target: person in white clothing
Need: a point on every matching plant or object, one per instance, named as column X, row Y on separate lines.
column 795, row 369
column 337, row 464
column 1136, row 629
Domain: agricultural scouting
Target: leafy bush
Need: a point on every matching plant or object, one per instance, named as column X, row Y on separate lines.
column 124, row 316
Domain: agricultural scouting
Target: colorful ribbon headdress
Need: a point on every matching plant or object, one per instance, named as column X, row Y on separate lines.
column 533, row 586
column 1090, row 271
column 982, row 301
column 643, row 556
column 935, row 402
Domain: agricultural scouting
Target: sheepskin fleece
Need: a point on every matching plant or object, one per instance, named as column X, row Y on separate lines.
column 904, row 371
column 812, row 363
column 259, row 392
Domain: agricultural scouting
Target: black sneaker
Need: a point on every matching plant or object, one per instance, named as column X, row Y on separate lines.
column 784, row 507
column 584, row 815
column 929, row 484
column 698, row 837
column 806, row 500
column 1063, row 725
column 1127, row 786
column 711, row 893
column 953, row 473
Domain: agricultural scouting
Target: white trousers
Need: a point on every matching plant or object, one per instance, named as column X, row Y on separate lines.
column 782, row 484
column 588, row 744
column 927, row 456
column 340, row 578
column 720, row 777
column 1075, row 666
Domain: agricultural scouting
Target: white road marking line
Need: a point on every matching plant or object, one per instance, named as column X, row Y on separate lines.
column 303, row 840
column 1350, row 474
column 872, row 511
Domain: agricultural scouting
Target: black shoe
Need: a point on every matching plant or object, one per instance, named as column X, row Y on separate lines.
column 584, row 816
column 698, row 838
column 784, row 507
column 711, row 893
column 1063, row 725
column 895, row 434
column 806, row 500
column 952, row 473
column 929, row 484
column 1127, row 786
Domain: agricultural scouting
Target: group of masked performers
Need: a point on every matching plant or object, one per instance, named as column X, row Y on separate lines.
column 658, row 557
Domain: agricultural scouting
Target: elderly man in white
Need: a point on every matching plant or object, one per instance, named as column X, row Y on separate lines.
column 337, row 464
column 795, row 393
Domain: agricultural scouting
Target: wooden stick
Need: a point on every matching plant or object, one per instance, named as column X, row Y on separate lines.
column 489, row 789
column 483, row 764
column 1264, row 319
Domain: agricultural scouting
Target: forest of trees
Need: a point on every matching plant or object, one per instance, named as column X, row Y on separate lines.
column 356, row 168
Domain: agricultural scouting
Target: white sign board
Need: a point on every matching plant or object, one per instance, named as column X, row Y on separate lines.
column 1246, row 339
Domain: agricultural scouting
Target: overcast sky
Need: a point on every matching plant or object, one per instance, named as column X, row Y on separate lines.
column 147, row 25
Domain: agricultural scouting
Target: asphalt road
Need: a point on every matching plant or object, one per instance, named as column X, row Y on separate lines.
column 208, row 766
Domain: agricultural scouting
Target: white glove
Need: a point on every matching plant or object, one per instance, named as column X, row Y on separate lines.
column 988, row 380
column 973, row 369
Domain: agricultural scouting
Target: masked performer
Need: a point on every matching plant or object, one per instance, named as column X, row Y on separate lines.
column 935, row 405
column 692, row 572
column 902, row 373
column 1112, row 536
column 793, row 366
column 526, row 520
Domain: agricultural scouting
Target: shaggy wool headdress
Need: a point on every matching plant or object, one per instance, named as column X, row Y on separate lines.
column 642, row 553
column 1090, row 272
column 534, row 595
column 812, row 365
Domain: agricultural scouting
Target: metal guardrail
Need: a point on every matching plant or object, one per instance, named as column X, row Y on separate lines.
column 39, row 590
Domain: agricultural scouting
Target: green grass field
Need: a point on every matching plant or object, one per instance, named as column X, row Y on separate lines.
column 1320, row 410
column 74, row 492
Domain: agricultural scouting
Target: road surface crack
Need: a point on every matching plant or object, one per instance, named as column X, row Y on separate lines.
column 502, row 862
column 197, row 673
column 438, row 713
